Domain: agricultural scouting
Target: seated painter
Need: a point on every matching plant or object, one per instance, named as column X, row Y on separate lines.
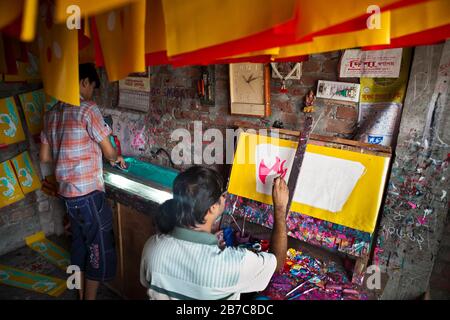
column 185, row 260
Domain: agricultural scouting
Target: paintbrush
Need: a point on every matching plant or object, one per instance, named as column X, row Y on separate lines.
column 234, row 220
column 296, row 288
column 302, row 293
column 232, row 212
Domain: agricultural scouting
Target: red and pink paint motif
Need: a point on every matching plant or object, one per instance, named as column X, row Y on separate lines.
column 277, row 168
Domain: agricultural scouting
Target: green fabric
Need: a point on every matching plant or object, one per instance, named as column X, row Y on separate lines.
column 151, row 172
column 194, row 236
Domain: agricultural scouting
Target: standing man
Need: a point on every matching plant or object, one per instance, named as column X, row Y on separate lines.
column 74, row 139
column 185, row 261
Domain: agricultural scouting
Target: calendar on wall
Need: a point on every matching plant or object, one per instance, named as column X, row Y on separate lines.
column 134, row 92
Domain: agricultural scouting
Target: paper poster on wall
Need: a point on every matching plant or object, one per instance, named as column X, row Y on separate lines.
column 134, row 93
column 334, row 90
column 378, row 121
column 372, row 64
column 339, row 186
column 381, row 104
column 26, row 173
column 10, row 190
column 11, row 130
column 33, row 108
column 387, row 89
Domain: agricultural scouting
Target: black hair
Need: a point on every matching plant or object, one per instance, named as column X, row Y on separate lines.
column 194, row 192
column 87, row 70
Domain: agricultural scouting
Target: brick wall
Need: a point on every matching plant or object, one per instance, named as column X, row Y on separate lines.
column 174, row 104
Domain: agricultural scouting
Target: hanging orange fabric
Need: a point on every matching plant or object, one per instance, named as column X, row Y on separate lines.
column 18, row 19
column 10, row 11
column 85, row 43
column 419, row 24
column 340, row 41
column 155, row 34
column 58, row 52
column 298, row 22
column 339, row 16
column 122, row 39
column 224, row 28
column 88, row 8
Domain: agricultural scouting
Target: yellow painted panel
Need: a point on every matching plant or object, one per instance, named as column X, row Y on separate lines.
column 361, row 208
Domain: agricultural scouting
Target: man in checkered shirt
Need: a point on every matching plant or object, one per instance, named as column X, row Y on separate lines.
column 74, row 139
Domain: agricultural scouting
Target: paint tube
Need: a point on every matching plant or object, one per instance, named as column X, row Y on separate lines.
column 333, row 287
column 350, row 291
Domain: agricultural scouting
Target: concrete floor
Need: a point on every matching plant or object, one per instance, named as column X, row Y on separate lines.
column 29, row 260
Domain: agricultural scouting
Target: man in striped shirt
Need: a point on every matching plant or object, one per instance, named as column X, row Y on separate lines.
column 185, row 261
column 74, row 139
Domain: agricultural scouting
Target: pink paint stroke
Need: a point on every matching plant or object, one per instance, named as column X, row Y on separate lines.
column 277, row 168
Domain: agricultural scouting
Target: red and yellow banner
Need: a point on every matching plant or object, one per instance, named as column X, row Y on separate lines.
column 122, row 39
column 58, row 50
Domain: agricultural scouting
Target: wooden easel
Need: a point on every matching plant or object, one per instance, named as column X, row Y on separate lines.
column 361, row 262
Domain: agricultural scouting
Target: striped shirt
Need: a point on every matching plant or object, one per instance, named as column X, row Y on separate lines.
column 188, row 264
column 74, row 134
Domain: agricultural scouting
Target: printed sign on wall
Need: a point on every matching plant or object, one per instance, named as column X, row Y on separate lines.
column 11, row 130
column 334, row 90
column 381, row 104
column 371, row 64
column 10, row 191
column 26, row 173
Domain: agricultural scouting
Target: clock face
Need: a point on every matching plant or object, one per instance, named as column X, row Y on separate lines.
column 247, row 83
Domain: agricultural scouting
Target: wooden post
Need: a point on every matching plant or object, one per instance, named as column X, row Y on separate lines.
column 298, row 160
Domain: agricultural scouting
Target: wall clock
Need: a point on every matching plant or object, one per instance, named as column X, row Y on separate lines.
column 250, row 89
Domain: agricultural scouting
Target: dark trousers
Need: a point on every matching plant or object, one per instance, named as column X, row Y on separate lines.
column 93, row 248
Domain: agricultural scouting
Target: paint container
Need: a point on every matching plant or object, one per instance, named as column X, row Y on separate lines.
column 264, row 245
column 228, row 236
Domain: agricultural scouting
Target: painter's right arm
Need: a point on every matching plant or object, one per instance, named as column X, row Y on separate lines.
column 278, row 240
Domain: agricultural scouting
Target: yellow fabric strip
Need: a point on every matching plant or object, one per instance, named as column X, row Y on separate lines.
column 420, row 17
column 87, row 7
column 122, row 40
column 318, row 15
column 341, row 41
column 155, row 30
column 58, row 53
column 197, row 24
column 30, row 12
column 9, row 11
